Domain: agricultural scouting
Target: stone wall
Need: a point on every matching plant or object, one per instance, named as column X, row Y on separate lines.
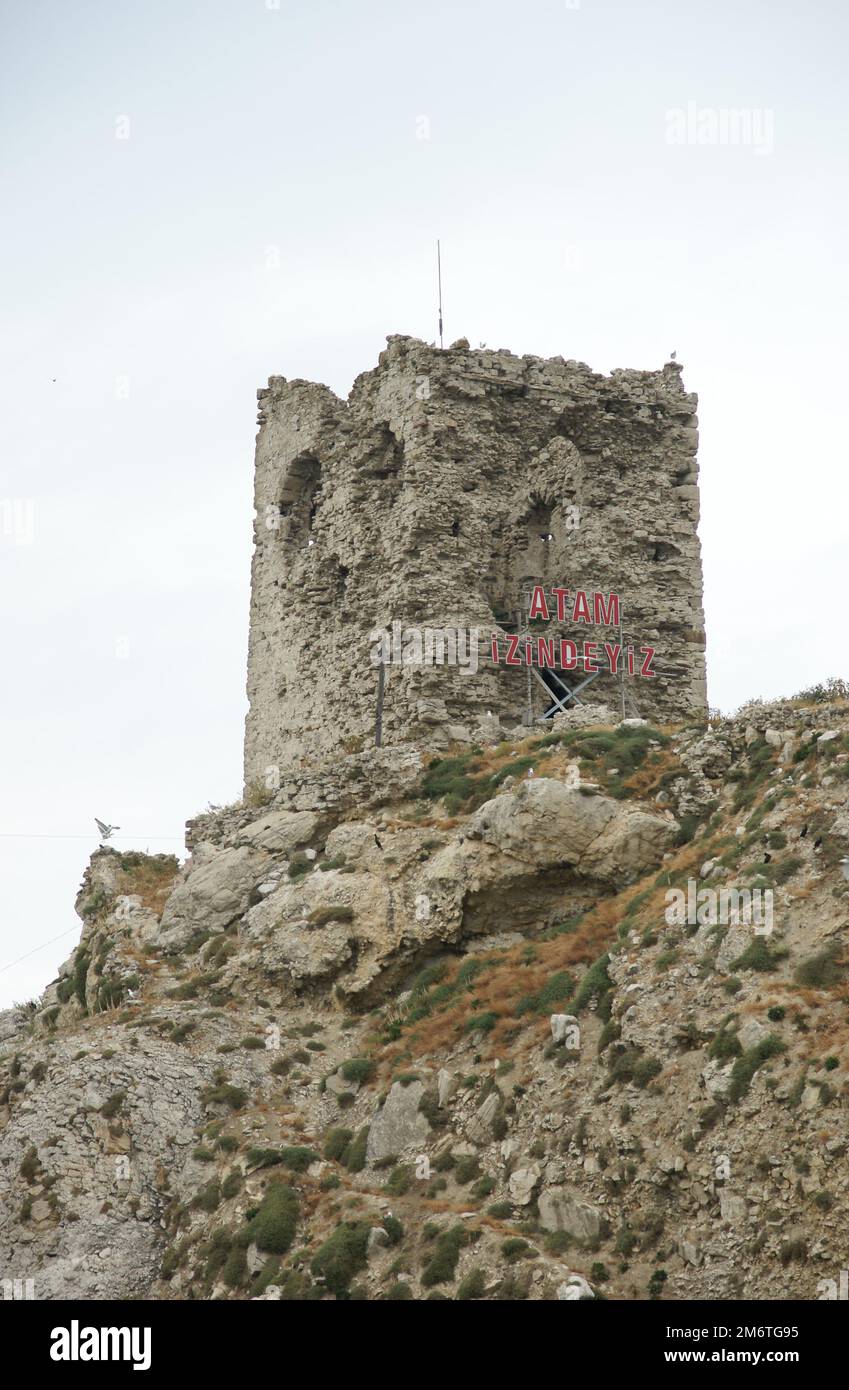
column 449, row 484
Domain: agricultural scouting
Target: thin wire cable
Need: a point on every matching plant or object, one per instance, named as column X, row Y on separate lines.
column 27, row 955
column 28, row 835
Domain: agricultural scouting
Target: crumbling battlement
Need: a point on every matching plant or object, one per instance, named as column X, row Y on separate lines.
column 448, row 486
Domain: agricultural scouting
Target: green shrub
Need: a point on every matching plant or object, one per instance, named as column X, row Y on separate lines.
column 626, row 1241
column 481, row 1023
column 745, row 1066
column 596, row 982
column 448, row 777
column 398, row 1292
column 631, row 1065
column 273, row 1227
column 82, row 960
column 400, row 1180
column 820, row 970
column 360, row 1069
column 514, row 1248
column 725, row 1046
column 297, row 1157
column 758, row 956
column 393, row 1229
column 555, row 991
column 235, row 1267
column 355, row 1159
column 215, row 1252
column 472, row 1286
column 442, row 1266
column 224, row 1094
column 209, row 1197
column 341, row 1256
column 466, row 1169
column 785, row 868
column 232, row 1184
column 337, row 1142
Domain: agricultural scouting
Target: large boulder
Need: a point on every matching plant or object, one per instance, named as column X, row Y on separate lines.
column 398, row 1124
column 544, row 823
column 280, row 832
column 562, row 1210
column 212, row 893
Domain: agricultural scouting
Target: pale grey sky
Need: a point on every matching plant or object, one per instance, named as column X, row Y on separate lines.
column 200, row 193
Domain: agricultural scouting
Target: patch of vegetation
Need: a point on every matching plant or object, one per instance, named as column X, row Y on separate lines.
column 355, row 1158
column 342, row 1256
column 224, row 1094
column 321, row 916
column 746, row 1065
column 473, row 1285
column 555, row 991
column 481, row 1023
column 725, row 1045
column 820, row 970
column 337, row 1142
column 400, row 1180
column 82, row 960
column 232, row 1184
column 359, row 1069
column 793, row 1250
column 273, row 1227
column 759, row 956
column 442, row 1266
column 208, row 1198
column 631, row 1065
column 466, row 1169
column 30, row 1165
column 596, row 983
column 824, row 691
column 514, row 1248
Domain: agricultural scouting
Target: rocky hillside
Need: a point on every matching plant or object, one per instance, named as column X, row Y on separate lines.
column 422, row 1029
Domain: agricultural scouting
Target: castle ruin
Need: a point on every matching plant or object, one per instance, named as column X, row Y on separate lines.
column 450, row 491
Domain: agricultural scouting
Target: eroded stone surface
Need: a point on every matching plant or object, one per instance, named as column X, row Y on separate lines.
column 446, row 484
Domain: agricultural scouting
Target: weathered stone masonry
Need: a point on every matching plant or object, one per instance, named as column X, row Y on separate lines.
column 437, row 495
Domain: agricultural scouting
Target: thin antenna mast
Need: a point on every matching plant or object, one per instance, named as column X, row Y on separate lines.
column 439, row 276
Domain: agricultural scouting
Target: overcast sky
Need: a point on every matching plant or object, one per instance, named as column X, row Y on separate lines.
column 197, row 194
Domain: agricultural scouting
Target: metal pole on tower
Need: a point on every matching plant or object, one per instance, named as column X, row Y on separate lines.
column 439, row 277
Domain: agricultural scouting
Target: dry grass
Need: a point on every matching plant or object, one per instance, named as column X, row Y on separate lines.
column 150, row 879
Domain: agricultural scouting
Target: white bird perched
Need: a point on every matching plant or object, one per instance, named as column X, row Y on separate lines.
column 844, row 864
column 106, row 831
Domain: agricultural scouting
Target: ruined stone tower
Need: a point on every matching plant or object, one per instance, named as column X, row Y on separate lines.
column 448, row 487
